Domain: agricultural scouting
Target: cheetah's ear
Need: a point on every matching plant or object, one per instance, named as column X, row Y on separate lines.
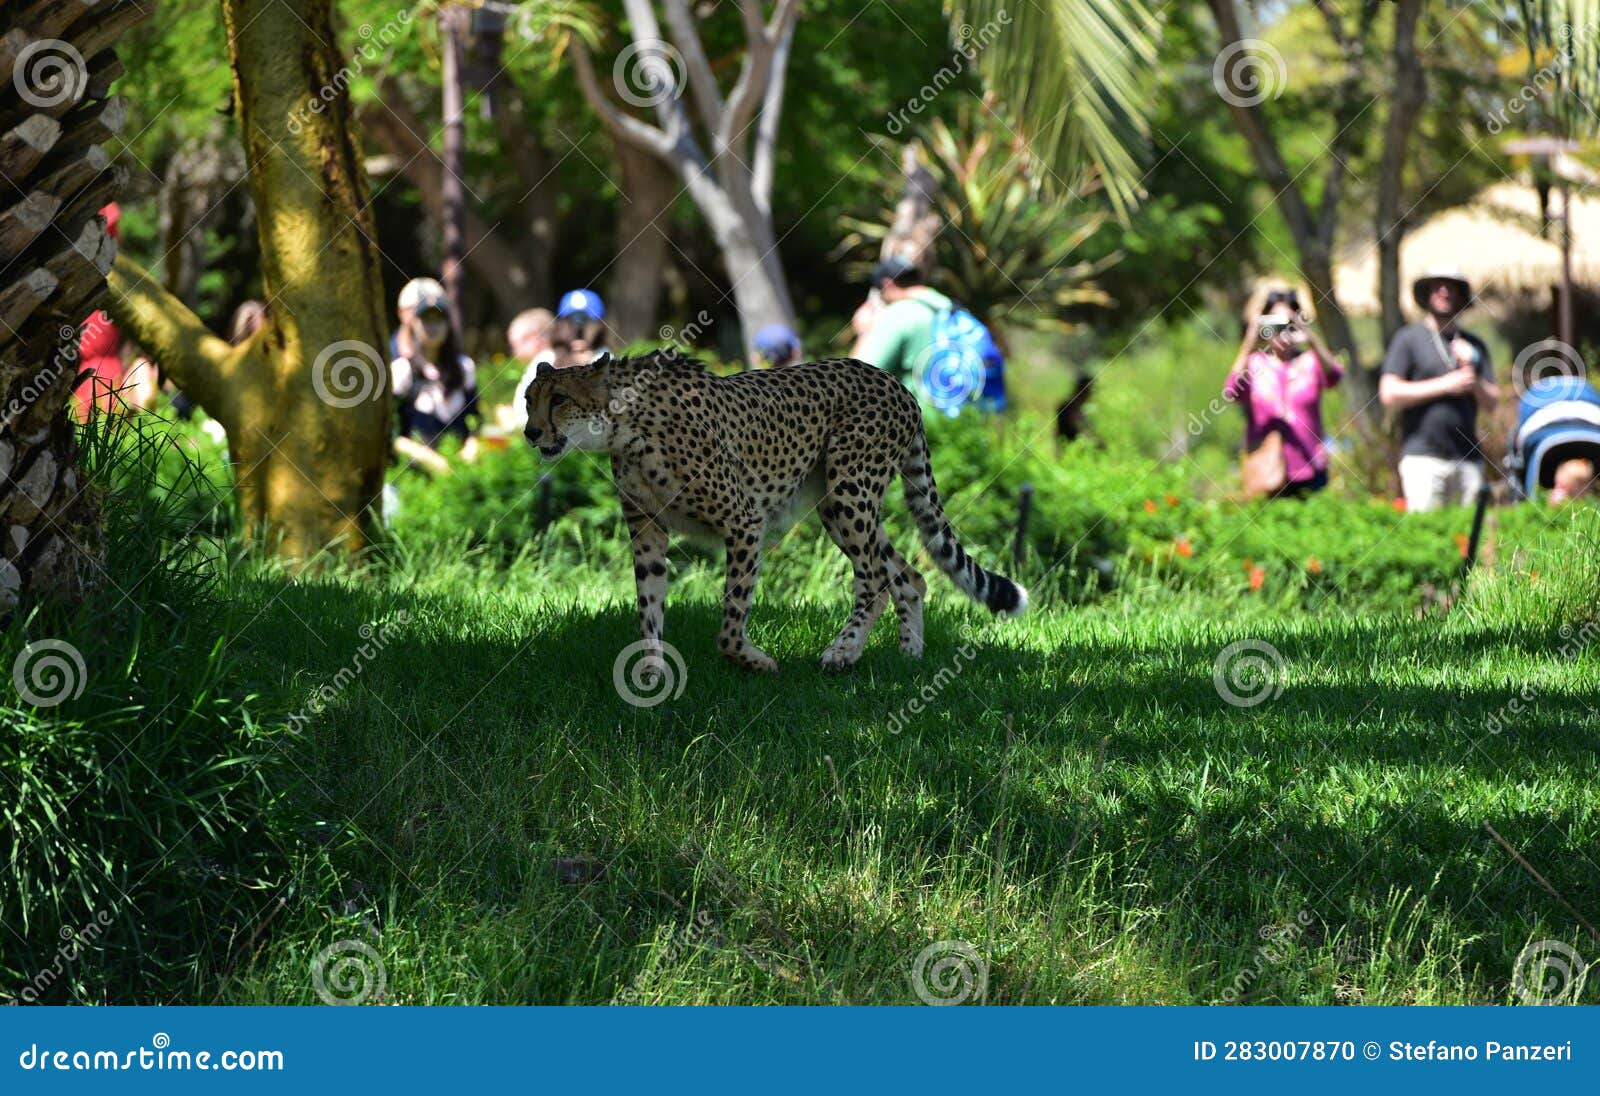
column 543, row 370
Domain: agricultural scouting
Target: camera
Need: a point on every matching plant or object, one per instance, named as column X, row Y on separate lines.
column 1272, row 328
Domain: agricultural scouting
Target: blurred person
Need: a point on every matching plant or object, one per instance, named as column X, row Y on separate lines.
column 102, row 351
column 1555, row 442
column 776, row 344
column 580, row 335
column 1438, row 376
column 1279, row 375
column 931, row 344
column 435, row 385
column 1574, row 479
column 894, row 326
column 530, row 336
column 406, row 309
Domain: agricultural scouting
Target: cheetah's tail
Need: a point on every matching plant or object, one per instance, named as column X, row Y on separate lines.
column 998, row 593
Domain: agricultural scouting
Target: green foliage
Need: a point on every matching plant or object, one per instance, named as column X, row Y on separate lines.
column 1074, row 75
column 145, row 826
column 1008, row 249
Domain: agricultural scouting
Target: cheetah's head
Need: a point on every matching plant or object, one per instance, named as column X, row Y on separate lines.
column 569, row 409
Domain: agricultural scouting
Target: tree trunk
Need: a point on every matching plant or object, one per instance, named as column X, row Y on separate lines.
column 55, row 71
column 735, row 199
column 916, row 224
column 538, row 182
column 1405, row 104
column 451, row 18
column 497, row 266
column 643, row 250
column 305, row 401
column 1313, row 232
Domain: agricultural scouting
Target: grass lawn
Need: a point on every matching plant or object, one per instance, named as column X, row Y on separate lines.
column 272, row 787
column 1069, row 794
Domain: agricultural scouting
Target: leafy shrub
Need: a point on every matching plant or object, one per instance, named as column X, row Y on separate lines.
column 142, row 826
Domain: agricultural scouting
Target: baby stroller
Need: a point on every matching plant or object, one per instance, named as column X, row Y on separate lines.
column 1558, row 420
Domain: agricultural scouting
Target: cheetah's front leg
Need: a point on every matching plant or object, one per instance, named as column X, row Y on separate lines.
column 649, row 542
column 744, row 558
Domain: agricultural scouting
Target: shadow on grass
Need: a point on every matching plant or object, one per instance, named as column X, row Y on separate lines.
column 476, row 747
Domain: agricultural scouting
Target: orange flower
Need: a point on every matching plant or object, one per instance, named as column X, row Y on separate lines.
column 1400, row 506
column 1257, row 577
column 1249, row 565
column 1149, row 506
column 1314, row 565
column 1185, row 549
column 1172, row 500
column 1461, row 543
column 1533, row 578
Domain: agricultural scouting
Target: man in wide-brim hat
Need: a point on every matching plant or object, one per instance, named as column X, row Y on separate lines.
column 1438, row 376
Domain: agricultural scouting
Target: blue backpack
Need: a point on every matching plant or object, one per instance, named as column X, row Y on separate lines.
column 963, row 365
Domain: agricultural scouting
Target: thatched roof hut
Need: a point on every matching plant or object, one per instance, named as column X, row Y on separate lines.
column 1494, row 241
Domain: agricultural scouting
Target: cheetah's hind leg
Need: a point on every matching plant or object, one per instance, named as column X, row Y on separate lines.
column 853, row 519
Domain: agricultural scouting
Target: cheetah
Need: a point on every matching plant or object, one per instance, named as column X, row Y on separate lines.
column 738, row 458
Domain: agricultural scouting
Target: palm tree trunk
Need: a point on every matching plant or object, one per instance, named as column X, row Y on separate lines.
column 56, row 68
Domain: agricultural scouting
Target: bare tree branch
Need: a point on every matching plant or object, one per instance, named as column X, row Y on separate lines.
column 766, row 152
column 755, row 75
column 621, row 124
column 702, row 81
column 1263, row 147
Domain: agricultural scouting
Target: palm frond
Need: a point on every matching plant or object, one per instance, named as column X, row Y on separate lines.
column 1073, row 77
column 1563, row 39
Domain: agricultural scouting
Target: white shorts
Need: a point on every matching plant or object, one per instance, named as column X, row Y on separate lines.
column 1431, row 482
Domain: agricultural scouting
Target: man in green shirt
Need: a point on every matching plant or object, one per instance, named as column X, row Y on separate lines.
column 896, row 333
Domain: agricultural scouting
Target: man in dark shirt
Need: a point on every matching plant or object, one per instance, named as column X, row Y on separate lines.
column 1438, row 376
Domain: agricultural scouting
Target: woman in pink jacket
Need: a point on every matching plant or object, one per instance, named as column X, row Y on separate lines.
column 1279, row 375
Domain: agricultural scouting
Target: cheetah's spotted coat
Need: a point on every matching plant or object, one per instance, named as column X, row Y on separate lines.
column 738, row 457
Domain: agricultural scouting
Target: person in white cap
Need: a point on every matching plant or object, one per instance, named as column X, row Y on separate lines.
column 406, row 308
column 435, row 386
column 1438, row 376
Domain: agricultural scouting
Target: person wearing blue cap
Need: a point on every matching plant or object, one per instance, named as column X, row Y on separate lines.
column 777, row 345
column 580, row 328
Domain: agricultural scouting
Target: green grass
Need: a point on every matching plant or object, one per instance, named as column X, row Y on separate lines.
column 1075, row 799
column 422, row 747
